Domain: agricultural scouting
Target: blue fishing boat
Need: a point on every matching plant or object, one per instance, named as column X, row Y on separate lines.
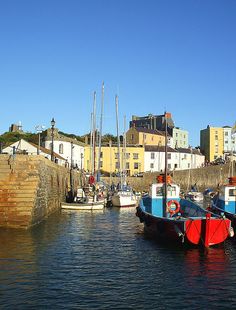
column 168, row 217
column 224, row 202
column 180, row 220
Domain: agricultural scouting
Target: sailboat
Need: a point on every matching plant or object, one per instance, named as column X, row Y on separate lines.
column 168, row 217
column 124, row 195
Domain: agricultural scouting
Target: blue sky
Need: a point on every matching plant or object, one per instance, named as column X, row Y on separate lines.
column 173, row 55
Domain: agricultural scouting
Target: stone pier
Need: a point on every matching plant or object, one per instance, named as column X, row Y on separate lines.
column 31, row 188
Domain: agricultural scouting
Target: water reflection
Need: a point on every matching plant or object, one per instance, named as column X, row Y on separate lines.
column 103, row 260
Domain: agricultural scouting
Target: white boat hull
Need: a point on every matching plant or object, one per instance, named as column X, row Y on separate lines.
column 195, row 196
column 123, row 199
column 83, row 206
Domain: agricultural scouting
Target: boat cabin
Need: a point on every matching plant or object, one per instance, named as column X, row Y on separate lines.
column 226, row 199
column 154, row 201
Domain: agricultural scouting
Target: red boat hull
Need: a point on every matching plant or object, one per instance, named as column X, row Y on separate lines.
column 204, row 231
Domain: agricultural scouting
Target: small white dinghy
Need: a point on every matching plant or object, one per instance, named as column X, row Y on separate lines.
column 84, row 202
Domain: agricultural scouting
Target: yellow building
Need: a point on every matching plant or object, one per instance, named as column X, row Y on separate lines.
column 134, row 161
column 212, row 142
column 145, row 136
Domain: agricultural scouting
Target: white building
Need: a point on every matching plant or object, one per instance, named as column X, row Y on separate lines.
column 177, row 159
column 71, row 149
column 24, row 147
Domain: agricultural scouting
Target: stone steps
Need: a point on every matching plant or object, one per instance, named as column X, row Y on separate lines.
column 31, row 188
column 18, row 188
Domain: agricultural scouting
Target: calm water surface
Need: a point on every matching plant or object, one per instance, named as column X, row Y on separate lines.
column 102, row 260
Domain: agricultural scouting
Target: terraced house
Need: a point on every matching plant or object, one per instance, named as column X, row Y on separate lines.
column 131, row 160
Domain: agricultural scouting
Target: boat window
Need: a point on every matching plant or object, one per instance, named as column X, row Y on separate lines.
column 232, row 192
column 171, row 191
column 159, row 191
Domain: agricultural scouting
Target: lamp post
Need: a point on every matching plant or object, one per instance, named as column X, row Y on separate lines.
column 71, row 155
column 81, row 159
column 39, row 129
column 52, row 132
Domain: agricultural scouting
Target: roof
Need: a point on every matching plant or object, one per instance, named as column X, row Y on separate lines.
column 156, row 148
column 151, row 131
column 47, row 151
column 189, row 151
column 43, row 149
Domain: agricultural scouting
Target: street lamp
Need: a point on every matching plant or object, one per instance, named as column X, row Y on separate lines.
column 81, row 159
column 52, row 132
column 39, row 129
column 71, row 154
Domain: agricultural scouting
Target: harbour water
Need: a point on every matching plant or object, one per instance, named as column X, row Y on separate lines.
column 103, row 260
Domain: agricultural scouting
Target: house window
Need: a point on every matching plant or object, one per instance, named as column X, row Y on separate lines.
column 135, row 165
column 176, row 166
column 169, row 166
column 127, row 166
column 152, row 155
column 101, row 164
column 116, row 155
column 151, row 165
column 101, row 155
column 135, row 156
column 169, row 156
column 226, row 133
column 132, row 137
column 117, row 165
column 61, row 148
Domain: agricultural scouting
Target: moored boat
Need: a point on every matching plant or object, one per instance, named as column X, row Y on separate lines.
column 86, row 199
column 98, row 205
column 195, row 196
column 224, row 201
column 124, row 197
column 170, row 218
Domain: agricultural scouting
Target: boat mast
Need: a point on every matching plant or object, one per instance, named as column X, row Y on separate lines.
column 91, row 145
column 118, row 138
column 94, row 133
column 165, row 183
column 110, row 144
column 100, row 135
column 124, row 150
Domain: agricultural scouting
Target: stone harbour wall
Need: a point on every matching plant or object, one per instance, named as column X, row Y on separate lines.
column 31, row 188
column 205, row 177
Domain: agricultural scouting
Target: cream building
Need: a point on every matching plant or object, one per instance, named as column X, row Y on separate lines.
column 109, row 159
column 144, row 136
